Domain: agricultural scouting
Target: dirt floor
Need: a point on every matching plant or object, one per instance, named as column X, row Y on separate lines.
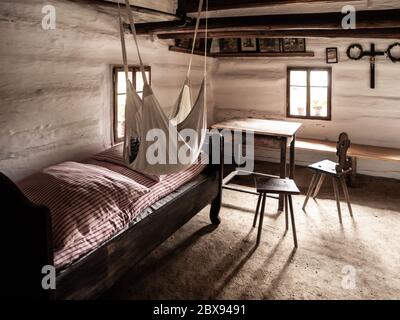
column 359, row 259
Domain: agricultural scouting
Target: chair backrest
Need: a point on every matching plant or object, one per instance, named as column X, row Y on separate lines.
column 342, row 146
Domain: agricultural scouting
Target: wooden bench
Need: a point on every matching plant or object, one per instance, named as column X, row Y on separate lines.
column 355, row 151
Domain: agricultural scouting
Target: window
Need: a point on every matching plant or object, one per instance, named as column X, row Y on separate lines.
column 309, row 93
column 120, row 95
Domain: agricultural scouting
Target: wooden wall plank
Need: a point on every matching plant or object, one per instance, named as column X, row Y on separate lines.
column 55, row 85
column 257, row 88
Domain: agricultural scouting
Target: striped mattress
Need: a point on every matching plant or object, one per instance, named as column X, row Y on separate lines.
column 68, row 254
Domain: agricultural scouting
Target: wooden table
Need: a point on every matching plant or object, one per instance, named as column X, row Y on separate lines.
column 267, row 133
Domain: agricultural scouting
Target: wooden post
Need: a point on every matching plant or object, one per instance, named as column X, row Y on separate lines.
column 292, row 157
column 283, row 167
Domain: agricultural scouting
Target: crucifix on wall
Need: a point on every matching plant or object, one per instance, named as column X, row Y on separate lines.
column 356, row 52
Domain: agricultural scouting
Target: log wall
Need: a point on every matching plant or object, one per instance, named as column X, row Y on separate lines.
column 256, row 87
column 55, row 85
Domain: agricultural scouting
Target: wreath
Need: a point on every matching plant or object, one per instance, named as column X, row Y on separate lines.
column 358, row 47
column 389, row 52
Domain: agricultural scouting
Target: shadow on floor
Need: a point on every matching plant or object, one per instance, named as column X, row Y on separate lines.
column 231, row 264
column 135, row 274
column 389, row 188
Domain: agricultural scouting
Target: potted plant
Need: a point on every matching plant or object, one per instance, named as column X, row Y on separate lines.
column 317, row 107
column 300, row 110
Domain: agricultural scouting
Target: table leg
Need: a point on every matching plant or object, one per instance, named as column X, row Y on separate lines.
column 292, row 157
column 336, row 191
column 346, row 193
column 283, row 167
column 260, row 225
column 257, row 210
column 292, row 218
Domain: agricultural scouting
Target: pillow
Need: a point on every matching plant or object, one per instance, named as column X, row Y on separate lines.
column 81, row 198
column 115, row 155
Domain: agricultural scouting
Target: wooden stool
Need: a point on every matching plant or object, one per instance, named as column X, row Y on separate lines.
column 285, row 187
column 337, row 171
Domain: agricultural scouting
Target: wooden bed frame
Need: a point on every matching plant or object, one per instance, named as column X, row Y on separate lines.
column 27, row 240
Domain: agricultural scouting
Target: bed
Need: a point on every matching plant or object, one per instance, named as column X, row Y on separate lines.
column 28, row 242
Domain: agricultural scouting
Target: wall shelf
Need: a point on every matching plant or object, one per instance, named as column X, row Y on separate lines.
column 265, row 54
column 246, row 54
column 196, row 52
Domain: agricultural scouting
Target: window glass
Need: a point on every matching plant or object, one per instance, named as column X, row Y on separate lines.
column 319, row 78
column 309, row 93
column 120, row 95
column 298, row 101
column 121, row 81
column 121, row 115
column 298, row 78
column 319, row 102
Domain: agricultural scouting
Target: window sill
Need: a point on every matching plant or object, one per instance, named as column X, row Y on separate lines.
column 309, row 118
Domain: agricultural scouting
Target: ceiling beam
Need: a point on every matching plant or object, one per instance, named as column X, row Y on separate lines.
column 381, row 33
column 238, row 26
column 191, row 6
column 154, row 13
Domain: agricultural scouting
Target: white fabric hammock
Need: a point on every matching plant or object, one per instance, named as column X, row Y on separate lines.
column 176, row 149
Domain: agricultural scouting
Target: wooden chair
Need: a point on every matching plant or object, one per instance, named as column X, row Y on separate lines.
column 285, row 187
column 337, row 172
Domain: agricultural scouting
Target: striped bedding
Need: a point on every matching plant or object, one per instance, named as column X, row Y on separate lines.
column 115, row 155
column 101, row 232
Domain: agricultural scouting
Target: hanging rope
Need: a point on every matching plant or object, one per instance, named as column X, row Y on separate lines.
column 123, row 45
column 133, row 31
column 205, row 55
column 195, row 37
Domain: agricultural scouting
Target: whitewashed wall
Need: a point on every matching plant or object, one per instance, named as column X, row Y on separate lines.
column 257, row 87
column 55, row 88
column 55, row 85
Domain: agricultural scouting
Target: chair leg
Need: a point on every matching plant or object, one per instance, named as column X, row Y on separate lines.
column 346, row 194
column 319, row 185
column 336, row 191
column 286, row 212
column 257, row 210
column 293, row 223
column 260, row 225
column 310, row 189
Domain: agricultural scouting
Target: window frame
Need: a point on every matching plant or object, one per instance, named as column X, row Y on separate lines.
column 308, row 115
column 115, row 70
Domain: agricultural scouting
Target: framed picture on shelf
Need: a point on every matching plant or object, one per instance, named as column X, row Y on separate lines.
column 209, row 44
column 198, row 45
column 294, row 45
column 269, row 45
column 183, row 43
column 214, row 45
column 332, row 55
column 227, row 45
column 248, row 44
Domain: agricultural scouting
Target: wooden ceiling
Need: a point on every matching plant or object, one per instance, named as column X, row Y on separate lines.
column 225, row 8
column 169, row 6
column 370, row 24
column 143, row 10
column 192, row 6
column 375, row 19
